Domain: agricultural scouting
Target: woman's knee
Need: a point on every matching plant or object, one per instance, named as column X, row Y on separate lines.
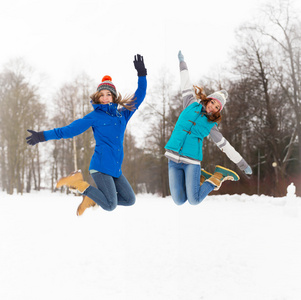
column 177, row 202
column 178, row 199
column 194, row 201
column 111, row 206
column 129, row 201
column 132, row 201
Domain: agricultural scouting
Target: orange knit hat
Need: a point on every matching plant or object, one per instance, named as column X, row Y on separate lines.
column 107, row 84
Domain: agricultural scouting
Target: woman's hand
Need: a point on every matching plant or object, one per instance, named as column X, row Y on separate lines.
column 35, row 137
column 139, row 65
column 180, row 56
column 248, row 171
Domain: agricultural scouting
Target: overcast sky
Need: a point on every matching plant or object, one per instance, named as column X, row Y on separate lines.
column 63, row 38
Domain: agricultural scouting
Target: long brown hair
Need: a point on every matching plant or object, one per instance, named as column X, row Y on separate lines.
column 127, row 102
column 200, row 94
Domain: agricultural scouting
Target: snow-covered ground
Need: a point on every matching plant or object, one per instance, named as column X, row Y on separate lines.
column 228, row 247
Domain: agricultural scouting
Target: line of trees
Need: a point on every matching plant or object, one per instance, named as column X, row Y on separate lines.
column 262, row 118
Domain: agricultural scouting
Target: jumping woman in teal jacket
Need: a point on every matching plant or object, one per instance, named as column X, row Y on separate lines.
column 108, row 122
column 199, row 119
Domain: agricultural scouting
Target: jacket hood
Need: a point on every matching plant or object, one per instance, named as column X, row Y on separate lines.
column 110, row 109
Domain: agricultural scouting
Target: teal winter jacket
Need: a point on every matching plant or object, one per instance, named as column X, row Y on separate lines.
column 193, row 126
column 190, row 130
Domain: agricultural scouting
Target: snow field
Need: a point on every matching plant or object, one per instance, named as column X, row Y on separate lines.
column 228, row 247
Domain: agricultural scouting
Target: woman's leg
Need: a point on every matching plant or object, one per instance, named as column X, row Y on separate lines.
column 195, row 192
column 125, row 193
column 177, row 182
column 105, row 195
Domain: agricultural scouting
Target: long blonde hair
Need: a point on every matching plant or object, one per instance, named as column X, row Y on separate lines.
column 127, row 102
column 200, row 94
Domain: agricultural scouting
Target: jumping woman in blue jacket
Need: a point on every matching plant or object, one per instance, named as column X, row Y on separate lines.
column 199, row 119
column 108, row 122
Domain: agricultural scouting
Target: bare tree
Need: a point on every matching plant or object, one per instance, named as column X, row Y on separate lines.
column 72, row 102
column 257, row 62
column 159, row 104
column 20, row 109
column 283, row 27
column 132, row 162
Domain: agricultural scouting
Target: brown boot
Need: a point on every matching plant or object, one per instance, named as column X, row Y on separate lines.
column 220, row 175
column 74, row 181
column 86, row 203
column 204, row 175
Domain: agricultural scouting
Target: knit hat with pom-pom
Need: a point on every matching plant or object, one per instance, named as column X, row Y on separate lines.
column 107, row 84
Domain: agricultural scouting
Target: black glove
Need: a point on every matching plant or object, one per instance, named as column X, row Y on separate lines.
column 36, row 137
column 139, row 65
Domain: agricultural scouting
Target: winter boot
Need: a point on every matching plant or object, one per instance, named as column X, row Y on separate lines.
column 86, row 203
column 204, row 175
column 74, row 181
column 220, row 175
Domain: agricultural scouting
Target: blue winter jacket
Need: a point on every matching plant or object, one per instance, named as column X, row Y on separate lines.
column 191, row 128
column 108, row 124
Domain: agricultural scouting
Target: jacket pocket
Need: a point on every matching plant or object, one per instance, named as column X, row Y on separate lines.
column 105, row 123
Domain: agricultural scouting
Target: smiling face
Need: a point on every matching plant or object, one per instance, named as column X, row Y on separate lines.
column 105, row 97
column 213, row 106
